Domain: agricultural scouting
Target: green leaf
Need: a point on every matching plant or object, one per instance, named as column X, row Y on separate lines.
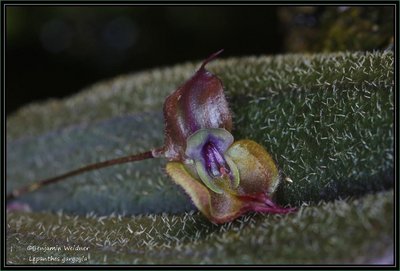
column 327, row 120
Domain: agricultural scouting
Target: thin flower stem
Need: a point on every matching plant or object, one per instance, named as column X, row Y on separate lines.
column 36, row 185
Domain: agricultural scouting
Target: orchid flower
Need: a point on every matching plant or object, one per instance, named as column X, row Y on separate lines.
column 224, row 178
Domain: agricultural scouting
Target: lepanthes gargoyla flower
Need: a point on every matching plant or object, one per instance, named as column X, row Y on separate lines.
column 224, row 179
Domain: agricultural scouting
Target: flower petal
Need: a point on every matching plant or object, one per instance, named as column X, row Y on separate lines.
column 221, row 138
column 212, row 183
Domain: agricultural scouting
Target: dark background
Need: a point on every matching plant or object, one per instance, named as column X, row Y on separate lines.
column 55, row 51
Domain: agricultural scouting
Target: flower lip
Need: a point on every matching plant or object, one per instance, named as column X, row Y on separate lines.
column 207, row 148
column 215, row 162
